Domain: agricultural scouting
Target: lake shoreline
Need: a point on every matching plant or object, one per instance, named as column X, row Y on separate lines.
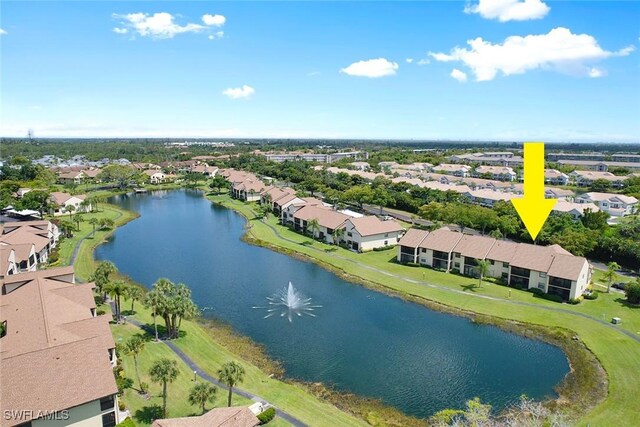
column 586, row 381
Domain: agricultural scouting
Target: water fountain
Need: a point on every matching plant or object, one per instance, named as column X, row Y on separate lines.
column 289, row 301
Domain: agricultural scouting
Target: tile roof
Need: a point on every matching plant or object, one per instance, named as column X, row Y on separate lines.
column 502, row 250
column 371, row 225
column 326, row 217
column 235, row 416
column 413, row 237
column 441, row 240
column 475, row 246
column 54, row 355
column 567, row 266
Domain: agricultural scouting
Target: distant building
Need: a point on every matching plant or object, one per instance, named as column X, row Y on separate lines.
column 62, row 202
column 555, row 177
column 613, row 204
column 500, row 173
column 555, row 157
column 451, row 169
column 586, row 178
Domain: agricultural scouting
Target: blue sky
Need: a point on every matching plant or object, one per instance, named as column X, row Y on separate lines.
column 549, row 71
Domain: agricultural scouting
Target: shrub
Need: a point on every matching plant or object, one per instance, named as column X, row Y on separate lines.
column 267, row 415
column 383, row 248
column 121, row 405
column 575, row 301
column 412, row 264
column 128, row 422
column 593, row 295
column 54, row 256
column 632, row 292
column 100, row 312
column 144, row 387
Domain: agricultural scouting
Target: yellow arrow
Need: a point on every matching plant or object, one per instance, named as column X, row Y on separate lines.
column 533, row 208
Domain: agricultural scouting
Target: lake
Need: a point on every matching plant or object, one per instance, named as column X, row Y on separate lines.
column 411, row 357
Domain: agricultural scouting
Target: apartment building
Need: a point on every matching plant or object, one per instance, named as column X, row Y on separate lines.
column 57, row 358
column 555, row 177
column 586, row 178
column 613, row 204
column 31, row 241
column 500, row 173
column 551, row 269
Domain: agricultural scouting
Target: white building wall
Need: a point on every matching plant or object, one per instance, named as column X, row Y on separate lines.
column 86, row 415
column 368, row 243
column 426, row 257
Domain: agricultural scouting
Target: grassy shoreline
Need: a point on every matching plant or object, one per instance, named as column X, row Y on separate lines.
column 620, row 384
column 209, row 345
column 601, row 346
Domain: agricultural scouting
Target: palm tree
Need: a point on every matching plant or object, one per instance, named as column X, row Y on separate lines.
column 152, row 300
column 70, row 209
column 483, row 269
column 231, row 373
column 116, row 290
column 77, row 218
column 84, row 205
column 313, row 226
column 133, row 347
column 338, row 234
column 94, row 222
column 134, row 293
column 202, row 393
column 101, row 275
column 164, row 371
column 610, row 274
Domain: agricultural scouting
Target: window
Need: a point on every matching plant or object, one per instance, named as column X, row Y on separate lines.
column 386, row 235
column 386, row 242
column 350, row 234
column 107, row 403
column 423, row 250
column 457, row 265
column 543, row 275
column 491, row 262
column 109, row 419
column 541, row 286
column 505, row 264
column 456, row 254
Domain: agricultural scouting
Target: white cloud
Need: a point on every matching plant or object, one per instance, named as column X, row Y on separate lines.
column 596, row 72
column 424, row 62
column 159, row 25
column 409, row 60
column 459, row 75
column 509, row 10
column 559, row 50
column 214, row 20
column 119, row 30
column 3, row 32
column 217, row 35
column 239, row 92
column 372, row 68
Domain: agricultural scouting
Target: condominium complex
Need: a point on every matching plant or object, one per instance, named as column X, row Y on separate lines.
column 56, row 353
column 551, row 269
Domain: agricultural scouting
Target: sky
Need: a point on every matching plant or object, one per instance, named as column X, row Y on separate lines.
column 512, row 70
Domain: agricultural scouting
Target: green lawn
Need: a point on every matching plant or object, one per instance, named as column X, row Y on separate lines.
column 84, row 268
column 201, row 346
column 618, row 353
column 203, row 349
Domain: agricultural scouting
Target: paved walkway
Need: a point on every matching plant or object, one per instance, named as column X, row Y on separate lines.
column 76, row 248
column 202, row 374
column 447, row 289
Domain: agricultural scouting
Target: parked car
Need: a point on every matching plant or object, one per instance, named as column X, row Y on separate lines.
column 620, row 285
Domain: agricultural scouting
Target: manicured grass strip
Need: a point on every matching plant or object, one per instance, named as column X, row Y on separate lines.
column 618, row 354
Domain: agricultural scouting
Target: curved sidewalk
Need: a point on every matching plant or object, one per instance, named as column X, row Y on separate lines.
column 202, row 374
column 445, row 288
